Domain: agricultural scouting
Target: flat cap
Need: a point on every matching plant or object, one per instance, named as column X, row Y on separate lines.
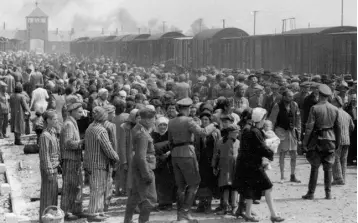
column 325, row 90
column 185, row 102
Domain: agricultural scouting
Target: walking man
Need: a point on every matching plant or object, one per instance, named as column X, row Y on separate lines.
column 181, row 132
column 322, row 138
column 341, row 154
column 286, row 118
column 143, row 192
column 71, row 155
column 99, row 157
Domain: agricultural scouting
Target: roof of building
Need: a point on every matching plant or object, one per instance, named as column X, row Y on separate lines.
column 321, row 30
column 220, row 33
column 37, row 12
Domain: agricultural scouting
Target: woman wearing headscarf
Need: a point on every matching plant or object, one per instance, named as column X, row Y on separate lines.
column 250, row 178
column 164, row 176
column 19, row 109
column 205, row 148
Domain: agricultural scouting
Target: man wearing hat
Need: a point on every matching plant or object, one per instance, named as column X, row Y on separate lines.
column 71, row 156
column 343, row 92
column 253, row 92
column 272, row 99
column 181, row 132
column 143, row 191
column 99, row 156
column 322, row 138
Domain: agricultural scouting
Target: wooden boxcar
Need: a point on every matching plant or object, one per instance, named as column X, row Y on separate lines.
column 183, row 51
column 206, row 46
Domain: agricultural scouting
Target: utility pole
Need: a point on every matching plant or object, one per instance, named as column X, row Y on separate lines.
column 342, row 12
column 283, row 25
column 255, row 21
column 223, row 23
column 163, row 26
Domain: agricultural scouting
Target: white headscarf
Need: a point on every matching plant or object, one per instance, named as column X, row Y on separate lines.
column 161, row 120
column 258, row 114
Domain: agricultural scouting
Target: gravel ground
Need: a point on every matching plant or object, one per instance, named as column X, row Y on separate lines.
column 4, row 201
column 342, row 208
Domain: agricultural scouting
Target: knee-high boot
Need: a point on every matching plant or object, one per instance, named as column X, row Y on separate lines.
column 328, row 182
column 188, row 202
column 312, row 184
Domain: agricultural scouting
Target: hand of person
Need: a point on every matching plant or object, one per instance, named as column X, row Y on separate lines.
column 124, row 166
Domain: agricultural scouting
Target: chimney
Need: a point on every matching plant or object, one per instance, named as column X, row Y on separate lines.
column 72, row 31
column 4, row 25
column 102, row 31
column 56, row 31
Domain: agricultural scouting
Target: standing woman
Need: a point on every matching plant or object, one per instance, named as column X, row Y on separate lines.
column 19, row 109
column 49, row 161
column 164, row 175
column 205, row 146
column 251, row 178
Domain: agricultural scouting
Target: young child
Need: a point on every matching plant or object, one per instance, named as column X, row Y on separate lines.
column 272, row 141
column 224, row 165
column 38, row 124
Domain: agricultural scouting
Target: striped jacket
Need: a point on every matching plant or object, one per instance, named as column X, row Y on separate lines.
column 347, row 126
column 70, row 140
column 99, row 152
column 49, row 151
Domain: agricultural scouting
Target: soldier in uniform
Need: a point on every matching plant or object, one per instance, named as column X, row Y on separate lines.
column 181, row 132
column 322, row 138
column 143, row 192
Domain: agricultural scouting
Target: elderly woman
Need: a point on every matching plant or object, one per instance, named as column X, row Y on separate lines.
column 164, row 176
column 204, row 149
column 250, row 178
column 102, row 99
column 19, row 109
column 49, row 152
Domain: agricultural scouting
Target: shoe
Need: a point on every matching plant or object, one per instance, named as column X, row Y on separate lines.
column 96, row 218
column 256, row 202
column 328, row 196
column 276, row 219
column 308, row 197
column 250, row 219
column 70, row 217
column 338, row 183
column 234, row 210
column 294, row 179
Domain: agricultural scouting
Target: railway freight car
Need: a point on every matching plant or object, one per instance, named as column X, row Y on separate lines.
column 315, row 50
column 206, row 46
column 127, row 47
column 183, row 51
column 158, row 48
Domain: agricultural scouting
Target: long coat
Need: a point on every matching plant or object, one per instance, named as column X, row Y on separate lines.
column 18, row 107
column 250, row 177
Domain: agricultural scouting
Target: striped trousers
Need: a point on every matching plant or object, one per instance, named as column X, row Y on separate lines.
column 49, row 191
column 108, row 192
column 98, row 187
column 71, row 186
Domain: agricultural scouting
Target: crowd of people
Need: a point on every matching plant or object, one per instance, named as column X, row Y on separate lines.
column 164, row 135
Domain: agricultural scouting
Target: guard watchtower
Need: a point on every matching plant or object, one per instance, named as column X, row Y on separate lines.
column 37, row 30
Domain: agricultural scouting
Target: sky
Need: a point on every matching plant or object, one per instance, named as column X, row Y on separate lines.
column 180, row 14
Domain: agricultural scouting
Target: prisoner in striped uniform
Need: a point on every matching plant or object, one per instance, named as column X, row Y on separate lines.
column 99, row 156
column 71, row 155
column 49, row 162
column 112, row 133
column 143, row 192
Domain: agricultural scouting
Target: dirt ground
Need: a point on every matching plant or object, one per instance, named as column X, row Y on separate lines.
column 342, row 208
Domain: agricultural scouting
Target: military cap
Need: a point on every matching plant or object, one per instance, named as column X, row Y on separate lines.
column 325, row 90
column 185, row 102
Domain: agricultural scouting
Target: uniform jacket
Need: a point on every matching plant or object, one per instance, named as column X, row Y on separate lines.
column 18, row 107
column 70, row 140
column 144, row 154
column 49, row 151
column 181, row 130
column 99, row 153
column 324, row 116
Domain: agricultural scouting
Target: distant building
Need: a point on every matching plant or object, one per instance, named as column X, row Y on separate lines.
column 37, row 37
